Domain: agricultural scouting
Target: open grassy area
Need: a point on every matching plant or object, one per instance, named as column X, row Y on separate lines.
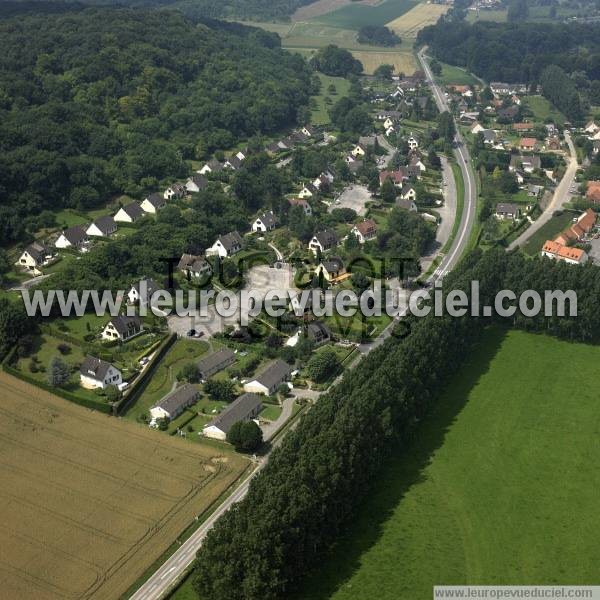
column 547, row 232
column 499, row 487
column 542, row 109
column 320, row 116
column 90, row 502
column 355, row 16
column 456, row 75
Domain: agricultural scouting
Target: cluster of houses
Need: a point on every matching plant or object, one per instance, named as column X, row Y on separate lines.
column 561, row 248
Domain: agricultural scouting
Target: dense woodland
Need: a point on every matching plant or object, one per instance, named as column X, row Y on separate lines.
column 298, row 505
column 377, row 35
column 563, row 59
column 104, row 101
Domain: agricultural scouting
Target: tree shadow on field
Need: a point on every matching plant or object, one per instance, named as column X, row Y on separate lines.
column 404, row 468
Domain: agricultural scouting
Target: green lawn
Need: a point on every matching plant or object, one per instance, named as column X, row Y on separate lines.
column 320, row 116
column 355, row 16
column 456, row 75
column 499, row 487
column 185, row 591
column 270, row 412
column 547, row 232
column 542, row 109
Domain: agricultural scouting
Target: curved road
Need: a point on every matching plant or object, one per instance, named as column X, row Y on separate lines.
column 163, row 580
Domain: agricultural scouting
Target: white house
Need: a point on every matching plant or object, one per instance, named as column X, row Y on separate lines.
column 34, row 256
column 408, row 192
column 246, row 407
column 408, row 205
column 73, row 237
column 102, row 227
column 265, row 222
column 194, row 266
column 226, row 245
column 591, row 127
column 476, row 128
column 331, row 268
column 212, row 166
column 130, row 213
column 308, row 191
column 196, row 183
column 507, row 210
column 358, row 150
column 413, row 142
column 303, row 204
column 323, row 241
column 122, row 328
column 365, row 230
column 175, row 402
column 153, row 203
column 270, row 378
column 388, row 123
column 177, row 190
column 97, row 373
column 142, row 291
column 309, row 131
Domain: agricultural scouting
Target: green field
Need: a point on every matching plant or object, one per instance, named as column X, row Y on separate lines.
column 500, row 486
column 356, row 16
column 547, row 232
column 456, row 75
column 542, row 109
column 320, row 116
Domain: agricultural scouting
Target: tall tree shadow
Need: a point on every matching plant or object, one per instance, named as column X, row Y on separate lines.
column 403, row 469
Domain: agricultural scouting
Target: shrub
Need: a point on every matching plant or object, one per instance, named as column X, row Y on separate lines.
column 64, row 349
column 246, row 436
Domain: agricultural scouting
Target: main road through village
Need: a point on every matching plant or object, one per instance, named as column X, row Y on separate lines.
column 171, row 571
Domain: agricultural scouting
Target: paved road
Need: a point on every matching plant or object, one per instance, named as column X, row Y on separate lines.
column 270, row 429
column 562, row 195
column 29, row 283
column 170, row 572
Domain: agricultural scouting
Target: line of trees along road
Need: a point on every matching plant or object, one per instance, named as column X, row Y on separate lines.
column 297, row 506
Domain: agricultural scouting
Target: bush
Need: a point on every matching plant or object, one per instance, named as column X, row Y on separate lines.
column 33, row 368
column 58, row 373
column 245, row 436
column 189, row 373
column 322, row 365
column 220, row 390
column 64, row 349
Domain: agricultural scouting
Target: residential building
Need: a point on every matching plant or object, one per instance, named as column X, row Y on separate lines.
column 507, row 210
column 102, row 227
column 226, row 245
column 267, row 221
column 129, row 213
column 34, row 256
column 72, row 237
column 309, row 131
column 177, row 191
column 365, row 230
column 408, row 192
column 557, row 251
column 592, row 193
column 212, row 166
column 122, row 328
column 196, row 183
column 576, row 232
column 526, row 162
column 175, row 402
column 194, row 266
column 308, row 191
column 528, row 144
column 323, row 241
column 302, row 203
column 153, row 203
column 407, row 205
column 246, row 407
column 332, row 269
column 398, row 177
column 215, row 362
column 413, row 142
column 592, row 128
column 318, row 332
column 97, row 373
column 523, row 127
column 142, row 291
column 270, row 378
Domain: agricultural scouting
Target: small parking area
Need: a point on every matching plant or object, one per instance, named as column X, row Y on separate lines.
column 354, row 197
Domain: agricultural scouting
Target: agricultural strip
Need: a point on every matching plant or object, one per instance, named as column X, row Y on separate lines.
column 422, row 15
column 90, row 501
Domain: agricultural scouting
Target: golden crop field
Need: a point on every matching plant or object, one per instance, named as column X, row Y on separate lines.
column 404, row 62
column 91, row 501
column 411, row 22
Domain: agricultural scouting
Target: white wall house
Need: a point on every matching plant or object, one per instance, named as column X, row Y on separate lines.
column 72, row 237
column 102, row 227
column 122, row 328
column 226, row 245
column 264, row 222
column 153, row 203
column 97, row 373
column 129, row 214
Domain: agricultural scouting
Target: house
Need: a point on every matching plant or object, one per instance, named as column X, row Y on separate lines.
column 528, row 144
column 196, row 183
column 318, row 332
column 413, row 142
column 177, row 191
column 510, row 113
column 552, row 143
column 215, row 362
column 153, row 203
column 323, row 241
column 233, row 163
column 122, row 328
column 175, row 402
column 194, row 266
column 557, row 251
column 34, row 256
column 388, row 123
column 102, row 227
column 408, row 192
column 97, row 373
column 303, row 204
column 582, row 226
column 73, row 237
column 406, row 205
column 129, row 214
column 365, row 230
column 332, row 269
column 308, row 191
column 265, row 222
column 592, row 193
column 246, row 407
column 358, row 150
column 534, row 190
column 528, row 163
column 226, row 245
column 270, row 378
column 142, row 291
column 489, row 136
column 309, row 131
column 325, row 179
column 522, row 127
column 505, row 89
column 389, row 115
column 591, row 127
column 398, row 177
column 389, row 131
column 476, row 128
column 212, row 166
column 415, row 161
column 507, row 210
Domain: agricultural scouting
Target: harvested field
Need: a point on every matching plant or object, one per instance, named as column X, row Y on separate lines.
column 323, row 7
column 404, row 62
column 91, row 501
column 410, row 23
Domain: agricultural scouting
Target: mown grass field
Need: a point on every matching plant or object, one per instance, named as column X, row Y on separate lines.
column 91, row 501
column 320, row 116
column 542, row 109
column 411, row 22
column 499, row 487
column 456, row 75
column 547, row 232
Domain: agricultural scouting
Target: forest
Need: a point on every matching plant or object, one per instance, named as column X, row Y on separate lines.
column 299, row 504
column 377, row 35
column 563, row 58
column 99, row 102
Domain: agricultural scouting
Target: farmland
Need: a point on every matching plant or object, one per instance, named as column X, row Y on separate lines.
column 498, row 488
column 89, row 504
column 355, row 15
column 411, row 22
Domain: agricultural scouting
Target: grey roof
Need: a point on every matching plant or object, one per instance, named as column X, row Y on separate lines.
column 238, row 410
column 134, row 210
column 151, row 286
column 156, row 200
column 489, row 135
column 335, row 263
column 231, row 240
column 327, row 238
column 215, row 359
column 367, row 140
column 268, row 218
column 533, row 159
column 105, row 224
column 355, row 166
column 215, row 165
column 273, row 373
column 234, row 162
column 178, row 398
column 200, row 181
column 124, row 324
column 94, row 367
column 507, row 208
column 406, row 204
column 37, row 251
column 75, row 235
column 318, row 330
column 192, row 262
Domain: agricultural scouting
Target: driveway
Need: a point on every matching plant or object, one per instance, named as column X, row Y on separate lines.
column 354, row 197
column 270, row 429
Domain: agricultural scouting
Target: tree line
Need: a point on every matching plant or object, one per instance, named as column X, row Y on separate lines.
column 298, row 505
